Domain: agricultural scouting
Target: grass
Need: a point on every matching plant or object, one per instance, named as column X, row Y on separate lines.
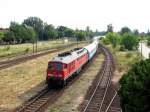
column 74, row 95
column 22, row 81
column 124, row 61
column 13, row 50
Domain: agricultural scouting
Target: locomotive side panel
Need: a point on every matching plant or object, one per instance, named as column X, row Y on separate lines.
column 76, row 64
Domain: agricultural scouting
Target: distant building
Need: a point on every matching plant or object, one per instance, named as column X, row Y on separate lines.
column 4, row 29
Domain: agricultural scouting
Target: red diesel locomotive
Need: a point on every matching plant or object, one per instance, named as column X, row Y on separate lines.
column 61, row 67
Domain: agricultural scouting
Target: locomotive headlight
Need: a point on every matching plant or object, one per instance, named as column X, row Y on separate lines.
column 59, row 75
column 50, row 74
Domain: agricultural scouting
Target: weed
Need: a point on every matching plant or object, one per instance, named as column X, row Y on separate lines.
column 27, row 50
column 7, row 48
column 129, row 55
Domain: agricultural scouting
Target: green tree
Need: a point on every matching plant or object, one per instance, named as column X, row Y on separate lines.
column 125, row 30
column 87, row 31
column 9, row 37
column 22, row 33
column 113, row 38
column 49, row 32
column 129, row 41
column 17, row 30
column 69, row 32
column 65, row 32
column 148, row 33
column 96, row 33
column 134, row 92
column 136, row 32
column 148, row 40
column 37, row 24
column 109, row 28
column 30, row 35
column 60, row 30
column 80, row 35
column 1, row 36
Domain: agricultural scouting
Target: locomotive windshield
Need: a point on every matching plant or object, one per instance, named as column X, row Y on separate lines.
column 51, row 66
column 55, row 66
column 59, row 67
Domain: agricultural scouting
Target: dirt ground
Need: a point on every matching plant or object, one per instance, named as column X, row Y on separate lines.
column 19, row 83
column 74, row 95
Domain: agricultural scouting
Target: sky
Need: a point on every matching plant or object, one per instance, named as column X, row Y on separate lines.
column 79, row 13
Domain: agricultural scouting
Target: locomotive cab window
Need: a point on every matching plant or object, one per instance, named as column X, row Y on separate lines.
column 59, row 66
column 51, row 66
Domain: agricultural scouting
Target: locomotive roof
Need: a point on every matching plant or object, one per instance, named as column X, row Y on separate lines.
column 68, row 57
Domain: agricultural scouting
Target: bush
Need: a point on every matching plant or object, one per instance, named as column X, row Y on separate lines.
column 134, row 92
column 105, row 41
column 129, row 41
column 148, row 41
column 113, row 38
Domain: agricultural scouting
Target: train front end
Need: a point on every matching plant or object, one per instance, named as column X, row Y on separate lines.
column 55, row 73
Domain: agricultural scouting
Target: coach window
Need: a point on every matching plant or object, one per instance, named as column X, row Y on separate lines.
column 59, row 66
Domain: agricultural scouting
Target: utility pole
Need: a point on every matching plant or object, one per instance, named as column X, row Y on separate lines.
column 36, row 44
column 141, row 45
column 33, row 47
column 141, row 50
column 77, row 42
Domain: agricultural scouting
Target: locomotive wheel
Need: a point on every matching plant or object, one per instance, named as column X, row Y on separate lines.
column 64, row 83
column 78, row 71
column 50, row 85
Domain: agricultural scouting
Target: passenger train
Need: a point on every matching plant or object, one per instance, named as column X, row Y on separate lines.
column 63, row 66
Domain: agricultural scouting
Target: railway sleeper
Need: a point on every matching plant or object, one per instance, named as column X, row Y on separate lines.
column 92, row 110
column 35, row 105
column 97, row 98
column 114, row 109
column 28, row 111
column 29, row 108
column 94, row 104
column 43, row 100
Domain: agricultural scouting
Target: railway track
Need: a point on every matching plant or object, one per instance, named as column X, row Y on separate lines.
column 41, row 101
column 112, row 104
column 103, row 96
column 47, row 97
column 15, row 61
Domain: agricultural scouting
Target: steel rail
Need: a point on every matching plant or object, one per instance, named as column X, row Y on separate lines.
column 108, row 83
column 111, row 101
